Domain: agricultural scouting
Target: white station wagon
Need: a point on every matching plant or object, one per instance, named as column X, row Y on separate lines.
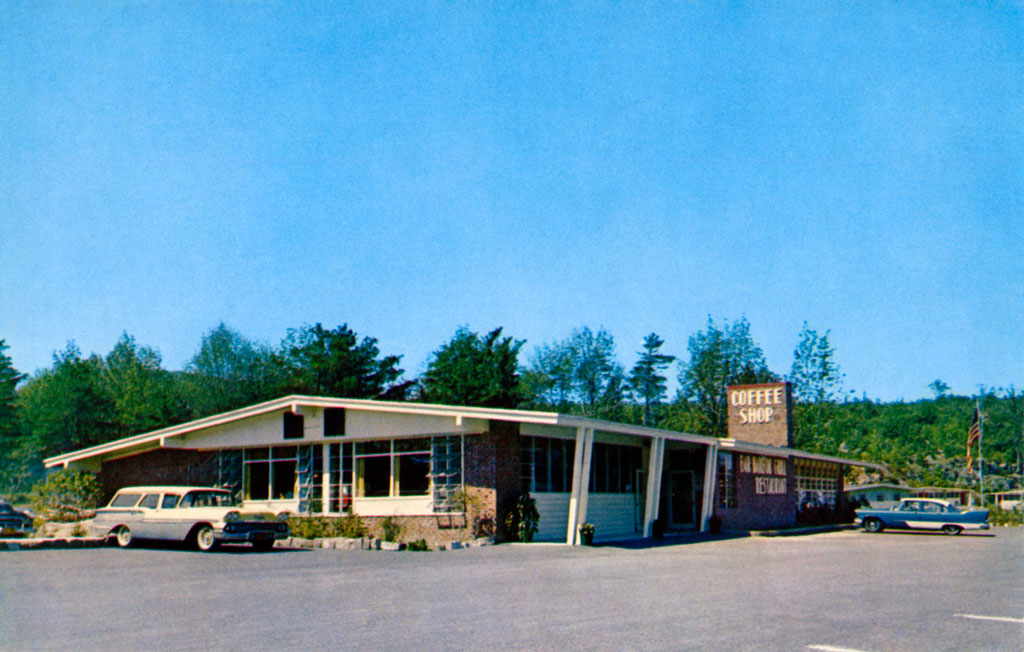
column 203, row 517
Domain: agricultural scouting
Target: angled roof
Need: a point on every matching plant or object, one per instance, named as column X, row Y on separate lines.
column 426, row 409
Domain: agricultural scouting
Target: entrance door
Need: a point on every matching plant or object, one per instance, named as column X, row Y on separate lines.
column 681, row 504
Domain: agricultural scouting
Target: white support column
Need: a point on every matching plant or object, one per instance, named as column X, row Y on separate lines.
column 654, row 466
column 710, row 469
column 325, row 465
column 580, row 483
column 581, row 511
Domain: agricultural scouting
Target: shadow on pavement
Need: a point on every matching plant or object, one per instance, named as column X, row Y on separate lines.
column 685, row 538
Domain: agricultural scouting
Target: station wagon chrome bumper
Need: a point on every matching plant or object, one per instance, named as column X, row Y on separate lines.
column 248, row 531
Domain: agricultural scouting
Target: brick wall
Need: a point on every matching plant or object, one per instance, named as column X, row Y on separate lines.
column 492, row 473
column 761, row 413
column 164, row 466
column 759, row 511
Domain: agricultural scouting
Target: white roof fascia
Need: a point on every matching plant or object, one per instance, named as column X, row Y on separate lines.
column 171, row 431
column 782, row 451
column 290, row 402
column 426, row 409
column 639, row 431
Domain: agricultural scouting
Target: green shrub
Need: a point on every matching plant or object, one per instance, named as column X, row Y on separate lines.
column 78, row 530
column 998, row 516
column 418, row 545
column 351, row 527
column 391, row 529
column 309, row 527
column 67, row 495
column 523, row 518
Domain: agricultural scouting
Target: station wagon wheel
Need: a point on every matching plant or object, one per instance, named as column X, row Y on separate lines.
column 873, row 525
column 124, row 536
column 203, row 538
column 952, row 529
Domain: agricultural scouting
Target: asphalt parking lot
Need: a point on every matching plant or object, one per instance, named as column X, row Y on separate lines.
column 838, row 591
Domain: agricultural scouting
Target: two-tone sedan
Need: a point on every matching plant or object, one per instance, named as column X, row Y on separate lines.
column 923, row 514
column 203, row 517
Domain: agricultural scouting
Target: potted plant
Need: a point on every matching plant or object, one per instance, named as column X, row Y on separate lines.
column 587, row 533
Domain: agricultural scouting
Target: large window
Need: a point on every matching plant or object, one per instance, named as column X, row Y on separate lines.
column 547, row 464
column 817, row 483
column 339, row 477
column 613, row 468
column 269, row 472
column 392, row 468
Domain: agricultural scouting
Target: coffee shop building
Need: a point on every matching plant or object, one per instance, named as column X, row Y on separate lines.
column 447, row 473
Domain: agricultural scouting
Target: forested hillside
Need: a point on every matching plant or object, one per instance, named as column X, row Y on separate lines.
column 83, row 400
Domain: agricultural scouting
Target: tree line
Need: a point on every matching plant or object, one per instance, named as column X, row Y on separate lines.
column 84, row 400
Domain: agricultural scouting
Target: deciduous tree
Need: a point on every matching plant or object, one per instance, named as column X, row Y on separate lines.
column 719, row 356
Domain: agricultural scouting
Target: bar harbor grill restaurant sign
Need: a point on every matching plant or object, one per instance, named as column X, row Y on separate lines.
column 762, row 414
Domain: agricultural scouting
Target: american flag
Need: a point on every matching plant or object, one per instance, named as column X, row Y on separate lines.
column 972, row 437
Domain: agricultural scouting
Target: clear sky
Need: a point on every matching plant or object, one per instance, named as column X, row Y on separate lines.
column 406, row 169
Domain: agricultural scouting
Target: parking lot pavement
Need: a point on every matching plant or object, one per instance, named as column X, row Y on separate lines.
column 838, row 591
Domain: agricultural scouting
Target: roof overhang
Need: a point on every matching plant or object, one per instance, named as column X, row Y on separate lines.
column 741, row 446
column 165, row 436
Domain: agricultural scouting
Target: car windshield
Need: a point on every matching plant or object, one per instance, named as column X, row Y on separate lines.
column 208, row 499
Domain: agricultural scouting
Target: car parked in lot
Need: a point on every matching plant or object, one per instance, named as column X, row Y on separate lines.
column 923, row 514
column 203, row 517
column 14, row 523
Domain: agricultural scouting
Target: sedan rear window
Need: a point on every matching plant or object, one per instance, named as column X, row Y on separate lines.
column 125, row 500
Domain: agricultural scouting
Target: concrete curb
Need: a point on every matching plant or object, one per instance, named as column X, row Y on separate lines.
column 369, row 543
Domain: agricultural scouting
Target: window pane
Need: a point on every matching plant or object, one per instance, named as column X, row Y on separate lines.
column 150, row 501
column 600, row 462
column 558, row 466
column 284, row 452
column 420, row 445
column 169, row 501
column 257, row 481
column 334, row 422
column 412, row 474
column 284, row 480
column 374, row 474
column 294, row 425
column 257, row 454
column 373, row 448
column 541, row 469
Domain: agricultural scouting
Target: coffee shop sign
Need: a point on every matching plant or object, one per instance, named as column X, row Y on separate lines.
column 756, row 404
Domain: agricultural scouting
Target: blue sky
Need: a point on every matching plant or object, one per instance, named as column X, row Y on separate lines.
column 406, row 169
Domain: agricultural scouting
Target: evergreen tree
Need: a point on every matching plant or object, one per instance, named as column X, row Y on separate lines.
column 325, row 362
column 646, row 378
column 10, row 426
column 474, row 370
